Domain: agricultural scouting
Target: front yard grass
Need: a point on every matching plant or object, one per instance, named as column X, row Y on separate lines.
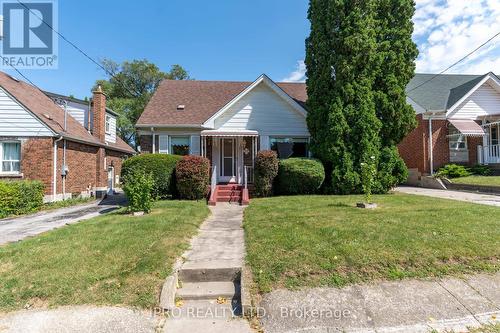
column 308, row 241
column 115, row 259
column 478, row 180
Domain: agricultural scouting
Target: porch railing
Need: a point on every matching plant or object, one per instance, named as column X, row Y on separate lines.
column 249, row 174
column 488, row 154
column 213, row 183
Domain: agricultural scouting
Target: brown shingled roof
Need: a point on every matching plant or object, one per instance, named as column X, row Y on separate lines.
column 202, row 99
column 52, row 115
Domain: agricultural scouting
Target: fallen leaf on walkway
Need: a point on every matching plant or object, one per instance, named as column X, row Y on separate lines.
column 221, row 300
column 179, row 303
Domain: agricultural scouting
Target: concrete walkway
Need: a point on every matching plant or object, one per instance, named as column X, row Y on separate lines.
column 210, row 277
column 18, row 228
column 410, row 306
column 484, row 199
column 79, row 319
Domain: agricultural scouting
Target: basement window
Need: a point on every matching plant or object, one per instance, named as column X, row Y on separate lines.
column 10, row 157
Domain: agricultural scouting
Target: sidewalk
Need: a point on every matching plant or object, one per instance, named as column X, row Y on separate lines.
column 15, row 229
column 483, row 199
column 210, row 277
column 410, row 306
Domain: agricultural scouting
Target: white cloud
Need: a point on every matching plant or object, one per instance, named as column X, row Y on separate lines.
column 298, row 75
column 446, row 30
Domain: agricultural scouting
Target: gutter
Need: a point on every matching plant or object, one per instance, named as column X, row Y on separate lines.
column 170, row 126
column 98, row 144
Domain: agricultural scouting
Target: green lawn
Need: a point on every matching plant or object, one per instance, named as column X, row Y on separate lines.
column 326, row 241
column 113, row 259
column 478, row 180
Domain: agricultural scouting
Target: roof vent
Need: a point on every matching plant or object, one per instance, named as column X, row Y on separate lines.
column 181, row 107
column 47, row 116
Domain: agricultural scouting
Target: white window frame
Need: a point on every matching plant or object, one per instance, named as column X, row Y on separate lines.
column 107, row 124
column 291, row 139
column 455, row 138
column 2, row 172
column 171, row 137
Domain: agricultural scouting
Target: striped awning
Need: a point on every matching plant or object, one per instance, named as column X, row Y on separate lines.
column 467, row 127
column 229, row 133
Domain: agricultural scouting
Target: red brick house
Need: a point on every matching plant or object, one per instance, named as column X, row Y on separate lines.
column 463, row 114
column 71, row 146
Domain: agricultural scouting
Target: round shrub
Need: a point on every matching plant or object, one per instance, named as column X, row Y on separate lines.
column 161, row 167
column 453, row 171
column 299, row 176
column 138, row 187
column 193, row 177
column 266, row 169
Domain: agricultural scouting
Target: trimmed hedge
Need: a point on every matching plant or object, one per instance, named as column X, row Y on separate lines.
column 20, row 197
column 266, row 169
column 161, row 167
column 193, row 177
column 299, row 176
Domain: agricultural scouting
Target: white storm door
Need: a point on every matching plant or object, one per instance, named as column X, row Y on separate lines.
column 227, row 160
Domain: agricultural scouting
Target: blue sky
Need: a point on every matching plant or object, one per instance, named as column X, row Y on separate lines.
column 239, row 40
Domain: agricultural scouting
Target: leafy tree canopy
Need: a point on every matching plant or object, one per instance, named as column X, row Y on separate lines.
column 130, row 87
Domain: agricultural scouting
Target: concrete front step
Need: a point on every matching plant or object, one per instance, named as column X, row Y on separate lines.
column 210, row 271
column 209, row 290
column 229, row 192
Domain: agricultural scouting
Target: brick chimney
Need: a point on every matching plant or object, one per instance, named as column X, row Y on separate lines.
column 99, row 114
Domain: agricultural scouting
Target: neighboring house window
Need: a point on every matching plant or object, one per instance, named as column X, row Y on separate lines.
column 179, row 145
column 290, row 147
column 10, row 154
column 457, row 140
column 108, row 124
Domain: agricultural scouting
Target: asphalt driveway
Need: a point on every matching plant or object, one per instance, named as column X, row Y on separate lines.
column 15, row 229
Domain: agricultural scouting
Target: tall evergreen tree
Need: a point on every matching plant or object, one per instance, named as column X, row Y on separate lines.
column 348, row 106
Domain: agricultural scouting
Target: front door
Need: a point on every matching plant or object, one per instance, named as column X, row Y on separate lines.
column 227, row 160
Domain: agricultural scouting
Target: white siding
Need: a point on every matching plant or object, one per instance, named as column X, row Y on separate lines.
column 483, row 102
column 111, row 137
column 78, row 114
column 264, row 111
column 16, row 121
column 194, row 147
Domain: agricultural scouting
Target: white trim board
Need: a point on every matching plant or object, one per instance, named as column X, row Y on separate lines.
column 489, row 76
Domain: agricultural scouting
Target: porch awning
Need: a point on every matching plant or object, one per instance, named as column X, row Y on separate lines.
column 467, row 127
column 229, row 133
